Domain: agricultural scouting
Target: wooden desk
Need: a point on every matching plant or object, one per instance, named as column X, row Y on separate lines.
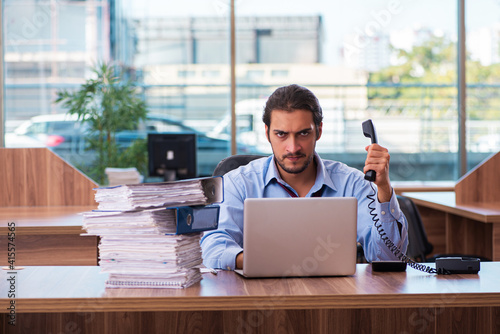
column 416, row 186
column 48, row 235
column 74, row 300
column 451, row 228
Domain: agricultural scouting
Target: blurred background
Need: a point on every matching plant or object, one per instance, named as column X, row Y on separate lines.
column 392, row 61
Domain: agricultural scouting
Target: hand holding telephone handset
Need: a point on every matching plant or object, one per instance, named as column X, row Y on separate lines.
column 369, row 131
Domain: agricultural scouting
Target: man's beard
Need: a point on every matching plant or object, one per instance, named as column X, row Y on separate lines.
column 294, row 169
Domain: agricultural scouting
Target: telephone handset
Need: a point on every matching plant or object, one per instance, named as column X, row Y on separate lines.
column 369, row 131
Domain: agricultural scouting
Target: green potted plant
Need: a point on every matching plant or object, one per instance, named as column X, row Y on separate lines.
column 108, row 104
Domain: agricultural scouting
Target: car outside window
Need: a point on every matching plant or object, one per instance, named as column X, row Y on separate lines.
column 162, row 126
column 65, row 126
column 36, row 129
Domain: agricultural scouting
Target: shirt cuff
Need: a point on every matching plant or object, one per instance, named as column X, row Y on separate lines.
column 389, row 211
column 228, row 258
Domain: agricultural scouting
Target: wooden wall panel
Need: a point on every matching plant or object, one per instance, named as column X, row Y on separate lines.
column 56, row 176
column 463, row 235
column 434, row 222
column 402, row 320
column 481, row 184
column 434, row 319
column 36, row 185
column 466, row 320
column 495, row 315
column 7, row 190
column 38, row 177
column 496, row 242
column 13, row 178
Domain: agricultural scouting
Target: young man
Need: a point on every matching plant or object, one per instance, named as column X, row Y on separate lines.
column 293, row 123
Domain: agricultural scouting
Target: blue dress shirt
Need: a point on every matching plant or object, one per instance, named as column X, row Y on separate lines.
column 260, row 178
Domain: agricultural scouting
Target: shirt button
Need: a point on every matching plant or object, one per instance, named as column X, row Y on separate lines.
column 383, row 212
column 392, row 210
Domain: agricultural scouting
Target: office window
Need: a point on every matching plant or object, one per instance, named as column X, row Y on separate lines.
column 279, row 73
column 186, row 74
column 47, row 46
column 483, row 78
column 173, row 52
column 211, row 73
column 392, row 61
column 182, row 53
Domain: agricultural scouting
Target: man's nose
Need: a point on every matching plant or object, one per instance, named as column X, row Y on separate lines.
column 293, row 144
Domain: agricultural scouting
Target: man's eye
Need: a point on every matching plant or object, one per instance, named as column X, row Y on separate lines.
column 304, row 133
column 280, row 134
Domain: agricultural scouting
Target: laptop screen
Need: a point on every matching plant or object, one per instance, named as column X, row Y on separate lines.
column 290, row 237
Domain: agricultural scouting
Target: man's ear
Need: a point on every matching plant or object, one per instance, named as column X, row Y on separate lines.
column 267, row 133
column 320, row 131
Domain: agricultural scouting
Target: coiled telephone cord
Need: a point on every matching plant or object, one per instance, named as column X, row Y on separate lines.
column 388, row 242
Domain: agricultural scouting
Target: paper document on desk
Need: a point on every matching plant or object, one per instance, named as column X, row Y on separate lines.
column 151, row 261
column 177, row 220
column 149, row 254
column 201, row 191
column 180, row 279
column 118, row 176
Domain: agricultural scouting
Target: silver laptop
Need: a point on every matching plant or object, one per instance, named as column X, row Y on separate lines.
column 298, row 237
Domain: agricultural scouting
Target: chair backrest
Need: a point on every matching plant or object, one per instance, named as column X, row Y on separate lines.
column 418, row 245
column 233, row 162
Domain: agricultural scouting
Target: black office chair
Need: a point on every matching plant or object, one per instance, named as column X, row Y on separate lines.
column 419, row 246
column 233, row 162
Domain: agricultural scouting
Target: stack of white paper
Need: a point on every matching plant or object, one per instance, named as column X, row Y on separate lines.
column 117, row 176
column 139, row 247
column 147, row 195
column 150, row 261
column 151, row 221
column 173, row 280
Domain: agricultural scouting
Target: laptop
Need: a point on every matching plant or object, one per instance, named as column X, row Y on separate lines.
column 299, row 237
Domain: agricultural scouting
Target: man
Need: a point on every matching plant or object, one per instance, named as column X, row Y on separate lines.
column 293, row 123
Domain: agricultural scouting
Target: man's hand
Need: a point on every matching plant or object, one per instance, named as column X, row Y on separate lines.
column 378, row 160
column 239, row 261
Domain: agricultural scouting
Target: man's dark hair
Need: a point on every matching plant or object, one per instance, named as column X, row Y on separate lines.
column 290, row 98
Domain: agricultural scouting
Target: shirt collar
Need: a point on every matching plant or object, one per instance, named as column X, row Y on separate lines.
column 272, row 172
column 322, row 178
